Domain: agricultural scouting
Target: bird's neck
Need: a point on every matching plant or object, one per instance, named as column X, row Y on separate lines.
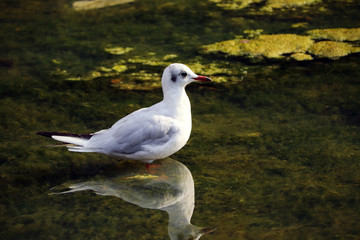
column 178, row 102
column 180, row 213
column 179, row 218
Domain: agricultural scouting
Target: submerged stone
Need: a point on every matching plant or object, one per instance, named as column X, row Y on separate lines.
column 336, row 34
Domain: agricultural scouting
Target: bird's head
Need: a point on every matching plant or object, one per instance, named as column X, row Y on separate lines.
column 188, row 232
column 178, row 75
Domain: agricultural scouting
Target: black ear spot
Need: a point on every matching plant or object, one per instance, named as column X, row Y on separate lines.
column 173, row 77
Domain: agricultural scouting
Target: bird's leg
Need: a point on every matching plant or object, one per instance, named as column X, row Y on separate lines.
column 151, row 167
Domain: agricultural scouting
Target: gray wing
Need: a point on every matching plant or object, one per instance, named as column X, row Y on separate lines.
column 131, row 133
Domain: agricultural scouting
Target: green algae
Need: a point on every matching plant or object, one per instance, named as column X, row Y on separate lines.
column 270, row 46
column 336, row 34
column 119, row 68
column 331, row 49
column 149, row 61
column 300, row 25
column 274, row 155
column 118, row 50
column 270, row 5
column 141, row 80
column 251, row 33
column 101, row 71
column 234, row 4
column 301, row 57
column 277, row 45
column 230, row 47
column 126, row 76
column 218, row 68
column 170, row 57
column 277, row 4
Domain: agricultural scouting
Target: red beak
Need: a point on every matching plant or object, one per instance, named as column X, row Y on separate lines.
column 202, row 78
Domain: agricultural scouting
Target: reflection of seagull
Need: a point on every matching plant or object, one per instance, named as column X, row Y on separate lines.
column 149, row 133
column 169, row 187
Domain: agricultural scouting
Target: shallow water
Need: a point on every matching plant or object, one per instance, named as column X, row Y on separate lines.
column 274, row 151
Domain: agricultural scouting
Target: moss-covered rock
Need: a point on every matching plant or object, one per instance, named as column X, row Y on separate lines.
column 280, row 45
column 276, row 4
column 300, row 25
column 149, row 61
column 229, row 47
column 330, row 49
column 210, row 69
column 336, row 34
column 118, row 50
column 141, row 80
column 219, row 71
column 301, row 57
column 234, row 4
column 270, row 5
column 270, row 46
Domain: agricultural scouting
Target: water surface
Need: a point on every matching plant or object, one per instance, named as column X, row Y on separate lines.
column 274, row 151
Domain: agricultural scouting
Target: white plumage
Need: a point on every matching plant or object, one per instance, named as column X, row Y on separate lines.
column 149, row 133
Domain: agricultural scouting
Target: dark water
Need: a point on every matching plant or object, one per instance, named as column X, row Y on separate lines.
column 274, row 151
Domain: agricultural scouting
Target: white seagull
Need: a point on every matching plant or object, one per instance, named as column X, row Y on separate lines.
column 149, row 133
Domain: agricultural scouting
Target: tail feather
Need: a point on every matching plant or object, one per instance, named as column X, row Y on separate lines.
column 60, row 145
column 73, row 148
column 77, row 139
column 63, row 189
column 51, row 134
column 73, row 140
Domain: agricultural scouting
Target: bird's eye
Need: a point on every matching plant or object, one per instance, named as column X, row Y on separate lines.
column 184, row 74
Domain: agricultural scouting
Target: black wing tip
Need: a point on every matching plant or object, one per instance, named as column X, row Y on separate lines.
column 46, row 134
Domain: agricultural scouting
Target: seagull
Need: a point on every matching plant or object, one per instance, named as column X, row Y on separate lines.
column 147, row 134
